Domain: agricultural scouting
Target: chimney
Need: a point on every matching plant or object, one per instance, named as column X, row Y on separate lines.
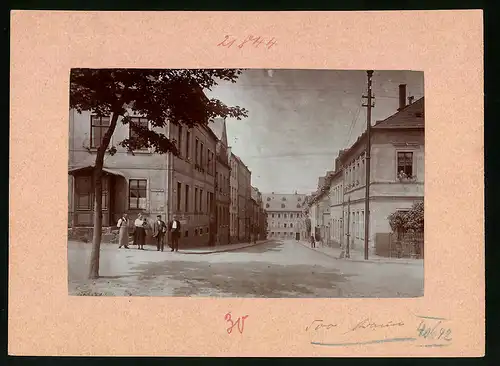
column 402, row 96
column 410, row 99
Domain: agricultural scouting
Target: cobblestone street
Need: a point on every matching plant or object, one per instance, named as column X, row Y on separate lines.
column 273, row 269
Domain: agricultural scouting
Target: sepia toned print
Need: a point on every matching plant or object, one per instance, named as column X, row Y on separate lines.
column 246, row 183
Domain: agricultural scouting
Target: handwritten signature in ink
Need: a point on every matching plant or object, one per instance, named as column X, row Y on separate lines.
column 368, row 324
column 255, row 41
column 319, row 324
column 240, row 323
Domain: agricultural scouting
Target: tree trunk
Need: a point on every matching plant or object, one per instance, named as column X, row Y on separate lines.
column 97, row 183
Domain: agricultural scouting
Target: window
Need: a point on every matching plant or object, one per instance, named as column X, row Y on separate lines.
column 298, row 205
column 202, row 162
column 83, row 188
column 188, row 144
column 179, row 189
column 405, row 164
column 269, row 198
column 282, row 205
column 179, row 138
column 141, row 123
column 196, row 143
column 196, row 200
column 137, row 194
column 200, row 204
column 299, row 199
column 98, row 127
column 284, row 225
column 272, row 215
column 283, row 199
column 186, row 199
column 267, row 205
column 285, row 215
column 291, row 225
column 279, row 216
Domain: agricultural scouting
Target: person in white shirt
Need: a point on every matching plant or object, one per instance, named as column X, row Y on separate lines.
column 140, row 231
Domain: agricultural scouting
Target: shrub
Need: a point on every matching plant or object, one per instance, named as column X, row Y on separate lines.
column 411, row 221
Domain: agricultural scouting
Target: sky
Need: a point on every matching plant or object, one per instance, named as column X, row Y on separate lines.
column 298, row 120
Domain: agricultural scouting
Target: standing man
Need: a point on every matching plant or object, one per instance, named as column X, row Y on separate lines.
column 159, row 230
column 175, row 229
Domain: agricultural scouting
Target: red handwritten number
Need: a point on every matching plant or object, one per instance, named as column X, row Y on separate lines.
column 239, row 321
column 271, row 43
column 225, row 42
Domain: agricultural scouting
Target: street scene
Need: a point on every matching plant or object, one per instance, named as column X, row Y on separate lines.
column 275, row 269
column 246, row 183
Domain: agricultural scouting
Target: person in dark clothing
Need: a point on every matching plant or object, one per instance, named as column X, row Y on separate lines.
column 175, row 228
column 159, row 230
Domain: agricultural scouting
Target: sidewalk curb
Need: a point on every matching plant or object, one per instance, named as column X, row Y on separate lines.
column 226, row 250
column 361, row 260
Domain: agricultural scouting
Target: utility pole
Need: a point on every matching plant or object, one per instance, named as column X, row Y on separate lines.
column 369, row 107
column 347, row 254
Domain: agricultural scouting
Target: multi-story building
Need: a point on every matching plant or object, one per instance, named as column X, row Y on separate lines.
column 233, row 207
column 133, row 183
column 244, row 200
column 142, row 181
column 396, row 175
column 285, row 218
column 256, row 222
column 222, row 184
column 193, row 183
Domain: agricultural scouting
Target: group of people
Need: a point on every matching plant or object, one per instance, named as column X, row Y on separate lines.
column 160, row 232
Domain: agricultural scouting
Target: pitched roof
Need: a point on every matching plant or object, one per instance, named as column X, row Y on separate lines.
column 292, row 202
column 218, row 126
column 411, row 116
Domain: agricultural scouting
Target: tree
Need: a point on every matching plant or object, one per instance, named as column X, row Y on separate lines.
column 161, row 96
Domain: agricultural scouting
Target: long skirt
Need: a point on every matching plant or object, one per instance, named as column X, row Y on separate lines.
column 123, row 236
column 140, row 236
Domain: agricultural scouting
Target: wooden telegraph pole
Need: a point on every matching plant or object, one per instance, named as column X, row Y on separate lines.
column 369, row 107
column 347, row 253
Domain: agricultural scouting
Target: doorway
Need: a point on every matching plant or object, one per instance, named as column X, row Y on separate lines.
column 297, row 236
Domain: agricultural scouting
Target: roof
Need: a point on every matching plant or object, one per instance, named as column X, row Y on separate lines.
column 411, row 116
column 275, row 201
column 89, row 168
column 218, row 127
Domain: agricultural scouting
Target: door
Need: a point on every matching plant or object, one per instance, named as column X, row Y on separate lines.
column 297, row 236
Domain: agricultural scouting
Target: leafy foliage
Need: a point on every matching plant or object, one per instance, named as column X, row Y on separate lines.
column 411, row 221
column 158, row 95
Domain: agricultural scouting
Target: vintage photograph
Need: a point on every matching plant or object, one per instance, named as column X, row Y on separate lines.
column 270, row 183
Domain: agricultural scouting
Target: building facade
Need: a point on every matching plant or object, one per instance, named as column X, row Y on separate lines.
column 396, row 177
column 244, row 200
column 193, row 183
column 233, row 207
column 222, row 184
column 133, row 183
column 285, row 218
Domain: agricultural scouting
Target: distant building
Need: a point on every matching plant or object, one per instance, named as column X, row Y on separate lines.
column 285, row 218
column 233, row 207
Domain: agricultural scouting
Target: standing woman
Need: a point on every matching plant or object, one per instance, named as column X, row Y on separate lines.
column 123, row 233
column 139, row 232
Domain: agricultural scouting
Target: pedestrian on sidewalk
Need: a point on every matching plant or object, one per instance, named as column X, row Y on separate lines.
column 313, row 242
column 175, row 228
column 318, row 236
column 140, row 231
column 159, row 230
column 123, row 231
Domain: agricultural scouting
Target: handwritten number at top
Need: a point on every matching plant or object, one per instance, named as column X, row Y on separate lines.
column 254, row 41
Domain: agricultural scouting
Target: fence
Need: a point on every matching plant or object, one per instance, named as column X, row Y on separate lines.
column 406, row 245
